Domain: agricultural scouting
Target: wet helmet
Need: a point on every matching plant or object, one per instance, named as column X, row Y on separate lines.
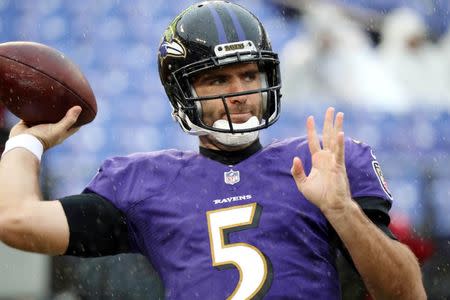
column 209, row 35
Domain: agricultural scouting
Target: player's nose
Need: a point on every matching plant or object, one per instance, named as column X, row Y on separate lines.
column 237, row 86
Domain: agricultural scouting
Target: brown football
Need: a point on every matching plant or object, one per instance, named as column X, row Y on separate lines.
column 39, row 84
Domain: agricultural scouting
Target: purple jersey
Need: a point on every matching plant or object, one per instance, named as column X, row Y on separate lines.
column 214, row 231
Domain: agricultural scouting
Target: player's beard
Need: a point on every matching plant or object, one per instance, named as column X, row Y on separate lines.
column 245, row 115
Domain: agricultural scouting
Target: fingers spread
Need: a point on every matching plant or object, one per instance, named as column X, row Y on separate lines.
column 338, row 127
column 313, row 139
column 340, row 151
column 339, row 123
column 333, row 136
column 328, row 132
column 297, row 171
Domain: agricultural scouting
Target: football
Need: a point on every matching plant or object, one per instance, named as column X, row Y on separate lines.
column 39, row 84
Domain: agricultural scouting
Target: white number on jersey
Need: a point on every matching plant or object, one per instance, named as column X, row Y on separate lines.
column 253, row 266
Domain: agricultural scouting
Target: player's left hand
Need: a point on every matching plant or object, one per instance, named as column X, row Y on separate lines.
column 326, row 186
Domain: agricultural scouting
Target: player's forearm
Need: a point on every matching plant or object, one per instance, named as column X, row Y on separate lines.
column 19, row 171
column 21, row 219
column 19, row 177
column 388, row 268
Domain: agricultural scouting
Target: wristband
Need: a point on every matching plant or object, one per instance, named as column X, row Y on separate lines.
column 27, row 141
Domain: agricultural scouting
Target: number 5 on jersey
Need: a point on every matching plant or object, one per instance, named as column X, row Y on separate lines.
column 254, row 267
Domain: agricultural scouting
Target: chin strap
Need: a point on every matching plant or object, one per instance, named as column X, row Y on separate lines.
column 236, row 139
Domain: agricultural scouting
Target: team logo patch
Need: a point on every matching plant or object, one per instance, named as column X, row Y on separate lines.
column 172, row 48
column 231, row 177
column 383, row 183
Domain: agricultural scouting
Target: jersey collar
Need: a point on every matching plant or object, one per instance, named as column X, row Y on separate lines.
column 231, row 157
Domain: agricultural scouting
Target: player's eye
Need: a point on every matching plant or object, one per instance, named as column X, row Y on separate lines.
column 251, row 76
column 217, row 80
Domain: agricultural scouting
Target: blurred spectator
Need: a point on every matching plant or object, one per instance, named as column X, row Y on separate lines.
column 402, row 229
column 444, row 58
column 284, row 9
column 335, row 59
column 407, row 52
column 331, row 58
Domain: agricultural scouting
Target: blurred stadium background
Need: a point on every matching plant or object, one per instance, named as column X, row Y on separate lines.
column 385, row 63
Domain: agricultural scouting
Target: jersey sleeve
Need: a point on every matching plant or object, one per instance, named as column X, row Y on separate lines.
column 368, row 188
column 117, row 182
column 377, row 210
column 113, row 176
column 127, row 182
column 364, row 172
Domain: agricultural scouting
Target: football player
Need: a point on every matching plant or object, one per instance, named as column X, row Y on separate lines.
column 234, row 220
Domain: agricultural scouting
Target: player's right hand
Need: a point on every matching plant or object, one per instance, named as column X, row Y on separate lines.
column 326, row 185
column 50, row 134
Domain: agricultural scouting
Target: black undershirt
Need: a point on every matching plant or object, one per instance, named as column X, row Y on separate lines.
column 97, row 228
column 231, row 157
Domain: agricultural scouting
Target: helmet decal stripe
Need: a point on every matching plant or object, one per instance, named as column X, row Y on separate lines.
column 219, row 26
column 237, row 25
